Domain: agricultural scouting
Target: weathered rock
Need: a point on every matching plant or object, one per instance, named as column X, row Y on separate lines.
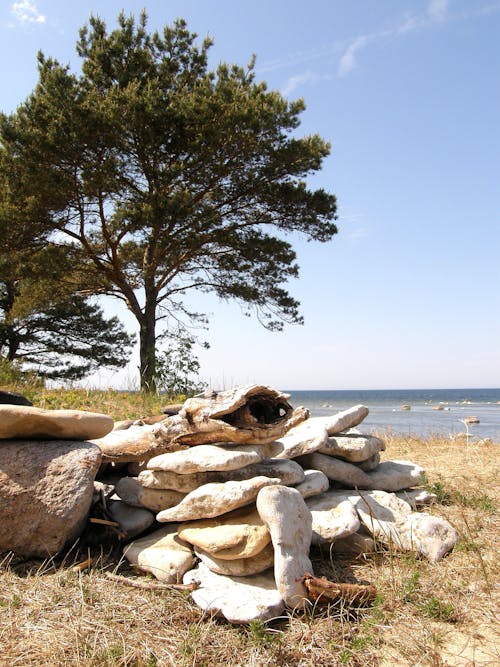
column 332, row 519
column 307, row 437
column 239, row 567
column 172, row 409
column 238, row 534
column 45, row 494
column 252, row 414
column 135, row 443
column 149, row 421
column 392, row 522
column 206, row 458
column 341, row 421
column 123, row 424
column 396, row 475
column 133, row 493
column 352, row 447
column 315, row 482
column 417, row 498
column 238, row 599
column 13, row 398
column 161, row 553
column 388, row 476
column 133, row 520
column 353, row 545
column 25, row 422
column 289, row 521
column 215, row 499
column 288, row 473
column 370, row 464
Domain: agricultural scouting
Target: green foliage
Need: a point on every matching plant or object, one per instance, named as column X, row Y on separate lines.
column 438, row 610
column 473, row 500
column 410, row 587
column 443, row 496
column 171, row 177
column 54, row 334
column 11, row 373
column 478, row 501
column 177, row 369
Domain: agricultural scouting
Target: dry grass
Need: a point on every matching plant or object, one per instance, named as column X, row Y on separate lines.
column 118, row 404
column 426, row 614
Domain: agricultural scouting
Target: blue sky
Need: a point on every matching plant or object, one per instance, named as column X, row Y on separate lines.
column 407, row 294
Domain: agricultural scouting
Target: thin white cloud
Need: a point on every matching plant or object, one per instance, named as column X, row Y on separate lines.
column 437, row 12
column 348, row 60
column 437, row 9
column 26, row 12
column 298, row 80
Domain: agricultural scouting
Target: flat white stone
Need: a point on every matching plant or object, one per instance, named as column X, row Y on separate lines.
column 162, row 554
column 388, row 476
column 28, row 422
column 238, row 534
column 315, row 482
column 352, row 447
column 203, row 458
column 332, row 519
column 133, row 493
column 288, row 472
column 215, row 499
column 239, row 567
column 238, row 599
column 341, row 421
column 307, row 437
column 289, row 521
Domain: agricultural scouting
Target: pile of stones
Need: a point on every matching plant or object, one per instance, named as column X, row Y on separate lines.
column 228, row 495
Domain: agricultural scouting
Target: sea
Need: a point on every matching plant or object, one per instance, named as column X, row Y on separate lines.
column 426, row 412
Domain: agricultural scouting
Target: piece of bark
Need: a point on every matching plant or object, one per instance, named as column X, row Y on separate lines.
column 321, row 590
column 253, row 414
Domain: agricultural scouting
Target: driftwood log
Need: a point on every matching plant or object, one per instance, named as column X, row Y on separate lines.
column 323, row 591
column 253, row 414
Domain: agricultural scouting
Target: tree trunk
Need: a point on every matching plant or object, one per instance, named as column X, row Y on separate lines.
column 147, row 347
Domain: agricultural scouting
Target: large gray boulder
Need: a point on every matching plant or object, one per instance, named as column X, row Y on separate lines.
column 45, row 494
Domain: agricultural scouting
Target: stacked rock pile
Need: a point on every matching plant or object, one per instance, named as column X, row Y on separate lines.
column 248, row 513
column 230, row 493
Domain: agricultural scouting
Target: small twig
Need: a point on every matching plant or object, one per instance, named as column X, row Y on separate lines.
column 152, row 585
column 79, row 567
column 104, row 522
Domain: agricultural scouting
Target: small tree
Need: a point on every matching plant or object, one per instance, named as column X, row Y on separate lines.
column 169, row 176
column 46, row 322
column 178, row 368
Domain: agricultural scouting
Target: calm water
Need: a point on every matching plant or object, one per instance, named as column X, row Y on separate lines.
column 386, row 411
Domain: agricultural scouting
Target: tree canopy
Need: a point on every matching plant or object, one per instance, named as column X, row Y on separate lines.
column 167, row 175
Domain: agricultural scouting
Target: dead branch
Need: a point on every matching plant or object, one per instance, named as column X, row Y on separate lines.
column 152, row 586
column 322, row 590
